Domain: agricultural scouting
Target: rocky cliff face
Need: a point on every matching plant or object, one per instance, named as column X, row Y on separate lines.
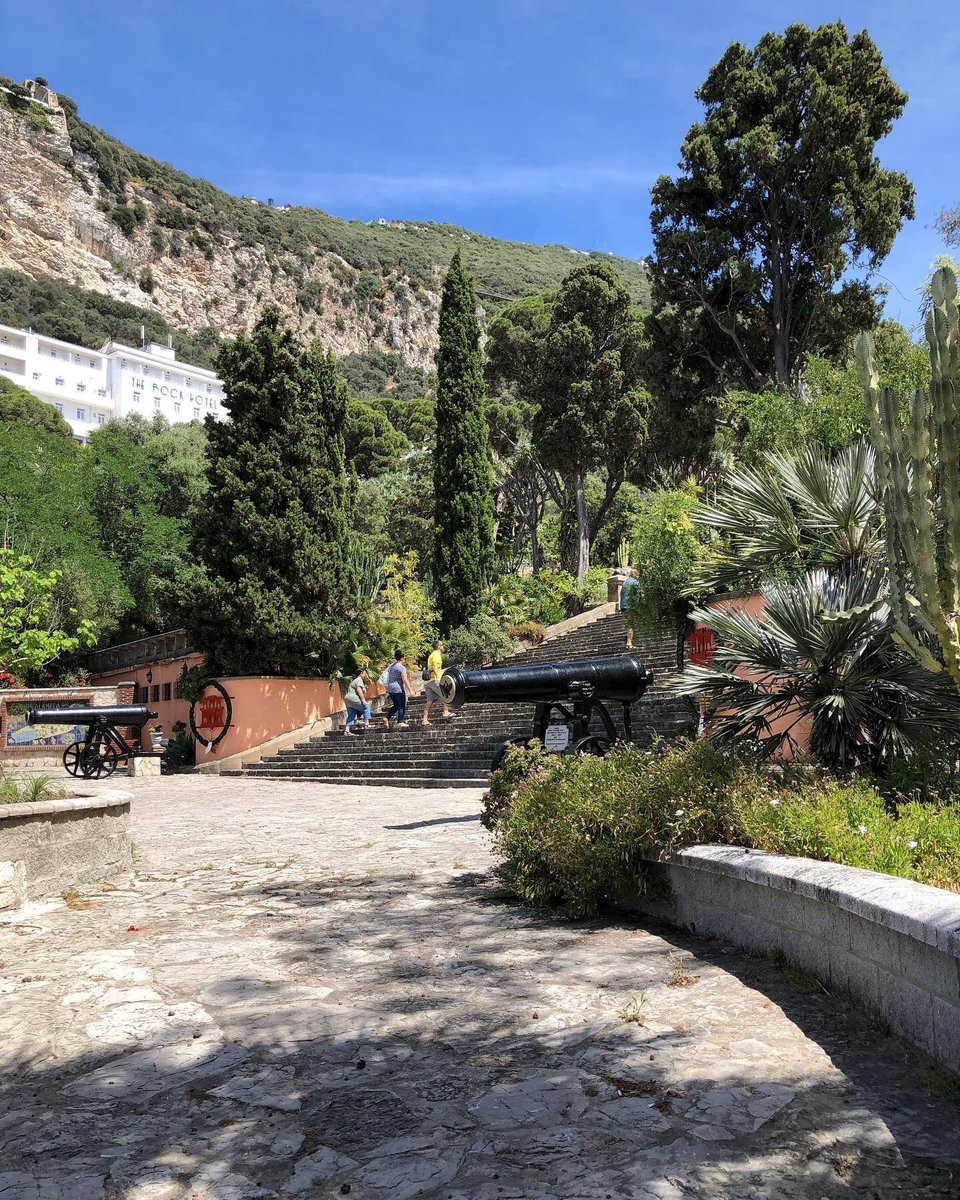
column 53, row 224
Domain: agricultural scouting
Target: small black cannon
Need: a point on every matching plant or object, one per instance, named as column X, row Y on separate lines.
column 104, row 747
column 567, row 696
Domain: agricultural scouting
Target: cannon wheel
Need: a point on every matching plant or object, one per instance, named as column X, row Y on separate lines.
column 592, row 744
column 98, row 760
column 72, row 756
column 501, row 753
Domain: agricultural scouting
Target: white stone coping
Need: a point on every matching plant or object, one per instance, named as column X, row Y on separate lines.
column 108, row 798
column 927, row 914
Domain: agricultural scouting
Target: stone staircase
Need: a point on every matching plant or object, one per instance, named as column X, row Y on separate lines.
column 458, row 752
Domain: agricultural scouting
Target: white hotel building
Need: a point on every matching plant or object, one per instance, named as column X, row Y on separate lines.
column 90, row 386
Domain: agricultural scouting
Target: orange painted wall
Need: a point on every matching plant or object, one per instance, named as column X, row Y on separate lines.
column 754, row 606
column 164, row 672
column 265, row 706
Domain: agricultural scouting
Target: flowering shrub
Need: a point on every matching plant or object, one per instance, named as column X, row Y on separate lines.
column 576, row 831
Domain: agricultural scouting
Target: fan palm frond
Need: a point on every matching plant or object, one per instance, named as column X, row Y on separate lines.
column 859, row 696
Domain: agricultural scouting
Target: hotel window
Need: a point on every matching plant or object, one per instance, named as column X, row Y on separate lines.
column 81, row 414
column 146, row 370
column 36, row 374
column 81, row 387
column 100, row 418
column 93, row 364
column 156, row 404
column 176, row 406
column 155, row 692
column 53, row 354
column 209, row 388
column 58, row 407
column 101, row 391
column 196, row 414
column 59, row 381
column 166, row 691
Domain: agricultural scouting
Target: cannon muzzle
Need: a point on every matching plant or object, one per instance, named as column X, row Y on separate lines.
column 617, row 677
column 111, row 714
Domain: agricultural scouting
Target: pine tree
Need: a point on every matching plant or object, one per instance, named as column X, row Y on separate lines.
column 274, row 593
column 462, row 475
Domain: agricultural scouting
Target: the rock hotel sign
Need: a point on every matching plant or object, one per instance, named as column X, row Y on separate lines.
column 211, row 714
column 166, row 391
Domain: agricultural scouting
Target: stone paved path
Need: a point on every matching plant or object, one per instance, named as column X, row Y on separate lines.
column 307, row 991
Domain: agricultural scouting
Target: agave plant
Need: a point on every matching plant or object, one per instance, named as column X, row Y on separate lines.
column 845, row 687
column 794, row 513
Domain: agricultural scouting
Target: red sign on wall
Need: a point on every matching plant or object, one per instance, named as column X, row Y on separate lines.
column 213, row 712
column 700, row 647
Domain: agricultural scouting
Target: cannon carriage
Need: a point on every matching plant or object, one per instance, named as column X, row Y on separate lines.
column 568, row 696
column 104, row 747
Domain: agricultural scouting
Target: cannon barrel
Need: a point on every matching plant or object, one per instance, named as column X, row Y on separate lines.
column 617, row 677
column 110, row 714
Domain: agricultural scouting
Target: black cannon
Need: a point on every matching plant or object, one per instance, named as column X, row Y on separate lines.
column 104, row 747
column 567, row 695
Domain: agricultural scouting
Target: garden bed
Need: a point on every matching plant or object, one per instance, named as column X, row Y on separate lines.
column 50, row 846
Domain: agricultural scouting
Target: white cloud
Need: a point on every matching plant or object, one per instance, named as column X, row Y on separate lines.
column 349, row 189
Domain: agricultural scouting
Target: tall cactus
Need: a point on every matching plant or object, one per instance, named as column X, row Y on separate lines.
column 918, row 467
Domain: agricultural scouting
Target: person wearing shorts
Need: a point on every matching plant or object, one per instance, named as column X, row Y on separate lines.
column 432, row 690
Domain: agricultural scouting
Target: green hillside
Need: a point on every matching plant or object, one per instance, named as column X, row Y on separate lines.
column 196, row 210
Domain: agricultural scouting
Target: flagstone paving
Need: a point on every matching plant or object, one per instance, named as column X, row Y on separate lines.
column 313, row 991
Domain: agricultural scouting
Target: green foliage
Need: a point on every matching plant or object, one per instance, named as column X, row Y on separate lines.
column 591, row 410
column 820, row 659
column 20, row 407
column 144, row 483
column 45, row 511
column 779, row 195
column 372, row 445
column 527, row 631
column 545, row 598
column 480, row 640
column 462, row 475
column 63, row 311
column 31, row 629
column 792, row 513
column 668, row 548
column 15, row 789
column 271, row 536
column 576, row 831
column 828, row 410
column 398, row 249
column 404, row 614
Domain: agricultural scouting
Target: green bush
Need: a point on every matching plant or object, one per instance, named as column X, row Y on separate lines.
column 546, row 598
column 667, row 549
column 479, row 641
column 527, row 631
column 579, row 831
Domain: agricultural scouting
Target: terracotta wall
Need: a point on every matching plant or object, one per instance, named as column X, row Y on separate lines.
column 755, row 607
column 164, row 676
column 265, row 706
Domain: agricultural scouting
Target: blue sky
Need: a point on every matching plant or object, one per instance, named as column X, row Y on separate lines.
column 540, row 120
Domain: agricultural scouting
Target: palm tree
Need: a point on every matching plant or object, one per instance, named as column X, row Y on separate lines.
column 822, row 660
column 794, row 513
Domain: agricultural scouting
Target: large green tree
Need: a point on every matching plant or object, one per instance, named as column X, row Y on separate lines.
column 462, row 474
column 591, row 407
column 271, row 536
column 144, row 483
column 779, row 196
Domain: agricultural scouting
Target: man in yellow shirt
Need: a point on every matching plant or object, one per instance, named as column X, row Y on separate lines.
column 432, row 690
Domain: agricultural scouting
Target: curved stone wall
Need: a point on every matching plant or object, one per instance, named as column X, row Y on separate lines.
column 51, row 846
column 892, row 944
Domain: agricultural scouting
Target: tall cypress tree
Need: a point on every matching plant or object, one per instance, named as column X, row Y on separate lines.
column 274, row 593
column 462, row 472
